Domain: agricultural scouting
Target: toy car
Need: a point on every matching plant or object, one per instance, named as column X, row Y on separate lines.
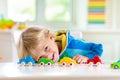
column 29, row 61
column 45, row 61
column 115, row 65
column 67, row 61
column 96, row 61
column 6, row 24
column 26, row 61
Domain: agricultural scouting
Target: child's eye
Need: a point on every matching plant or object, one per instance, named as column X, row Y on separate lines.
column 40, row 57
column 46, row 48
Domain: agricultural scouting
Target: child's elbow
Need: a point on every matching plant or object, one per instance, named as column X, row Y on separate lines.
column 99, row 49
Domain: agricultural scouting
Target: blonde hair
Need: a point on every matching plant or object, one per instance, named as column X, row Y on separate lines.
column 30, row 39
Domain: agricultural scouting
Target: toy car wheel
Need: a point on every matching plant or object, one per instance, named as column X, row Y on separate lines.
column 48, row 63
column 98, row 63
column 41, row 63
column 63, row 64
column 116, row 67
column 22, row 64
column 90, row 63
column 71, row 64
column 29, row 63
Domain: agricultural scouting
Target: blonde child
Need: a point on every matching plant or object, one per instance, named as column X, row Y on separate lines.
column 40, row 42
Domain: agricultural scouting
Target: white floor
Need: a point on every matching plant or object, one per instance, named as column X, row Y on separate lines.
column 12, row 71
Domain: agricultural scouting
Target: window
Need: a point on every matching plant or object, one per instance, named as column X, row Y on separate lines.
column 55, row 10
column 58, row 10
column 22, row 10
column 59, row 13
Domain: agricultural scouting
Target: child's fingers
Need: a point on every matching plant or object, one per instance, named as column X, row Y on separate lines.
column 84, row 60
column 80, row 61
column 78, row 58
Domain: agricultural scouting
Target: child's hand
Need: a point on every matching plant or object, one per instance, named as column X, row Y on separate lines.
column 80, row 59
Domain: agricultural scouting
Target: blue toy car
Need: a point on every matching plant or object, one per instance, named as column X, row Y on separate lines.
column 27, row 61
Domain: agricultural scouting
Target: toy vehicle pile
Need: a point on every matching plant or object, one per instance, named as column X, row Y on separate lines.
column 66, row 61
column 29, row 61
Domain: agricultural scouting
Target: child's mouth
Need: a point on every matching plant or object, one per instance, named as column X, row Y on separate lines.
column 54, row 57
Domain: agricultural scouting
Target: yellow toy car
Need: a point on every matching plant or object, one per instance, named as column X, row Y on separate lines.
column 67, row 61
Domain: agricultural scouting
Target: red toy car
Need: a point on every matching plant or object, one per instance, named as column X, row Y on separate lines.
column 97, row 61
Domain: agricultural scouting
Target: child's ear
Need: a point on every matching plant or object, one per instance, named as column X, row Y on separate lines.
column 51, row 37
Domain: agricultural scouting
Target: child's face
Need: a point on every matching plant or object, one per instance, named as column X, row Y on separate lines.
column 48, row 49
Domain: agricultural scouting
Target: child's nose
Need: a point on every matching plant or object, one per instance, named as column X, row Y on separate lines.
column 48, row 55
column 49, row 50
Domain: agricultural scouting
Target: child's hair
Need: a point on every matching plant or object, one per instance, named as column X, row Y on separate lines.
column 30, row 40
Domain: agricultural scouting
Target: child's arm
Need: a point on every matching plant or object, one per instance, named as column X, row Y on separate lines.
column 93, row 48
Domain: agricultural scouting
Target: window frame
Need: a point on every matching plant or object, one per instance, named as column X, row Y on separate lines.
column 40, row 16
column 79, row 20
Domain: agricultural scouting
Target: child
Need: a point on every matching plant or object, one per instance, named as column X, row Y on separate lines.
column 39, row 42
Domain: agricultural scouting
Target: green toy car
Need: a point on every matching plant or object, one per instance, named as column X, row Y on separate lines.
column 115, row 65
column 45, row 61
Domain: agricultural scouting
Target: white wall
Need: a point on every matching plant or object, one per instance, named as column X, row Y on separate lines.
column 110, row 41
column 3, row 6
column 8, row 47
